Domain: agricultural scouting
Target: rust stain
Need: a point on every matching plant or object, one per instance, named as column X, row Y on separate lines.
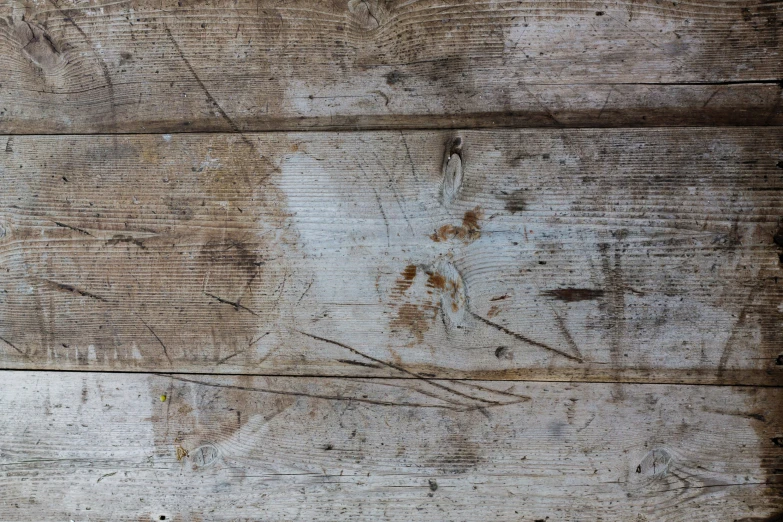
column 471, row 219
column 436, row 280
column 405, row 282
column 493, row 311
column 574, row 294
column 413, row 318
column 469, row 231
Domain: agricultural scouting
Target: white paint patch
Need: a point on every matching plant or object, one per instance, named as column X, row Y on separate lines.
column 209, row 162
column 167, row 138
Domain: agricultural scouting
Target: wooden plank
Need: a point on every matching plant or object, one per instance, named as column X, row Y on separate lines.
column 85, row 446
column 151, row 66
column 596, row 255
column 623, row 255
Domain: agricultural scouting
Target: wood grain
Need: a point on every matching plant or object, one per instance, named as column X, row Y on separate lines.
column 164, row 66
column 252, row 448
column 607, row 255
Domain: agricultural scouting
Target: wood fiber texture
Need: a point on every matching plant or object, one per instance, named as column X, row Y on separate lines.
column 282, row 448
column 163, row 66
column 644, row 255
column 391, row 260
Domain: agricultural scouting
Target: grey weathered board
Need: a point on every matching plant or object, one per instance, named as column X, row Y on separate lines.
column 396, row 315
column 148, row 66
column 86, row 446
column 601, row 255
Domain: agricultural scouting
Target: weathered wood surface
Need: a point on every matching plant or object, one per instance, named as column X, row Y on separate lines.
column 165, row 66
column 270, row 448
column 609, row 255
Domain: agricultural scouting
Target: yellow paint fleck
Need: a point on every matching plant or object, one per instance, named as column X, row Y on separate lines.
column 162, row 398
column 181, row 453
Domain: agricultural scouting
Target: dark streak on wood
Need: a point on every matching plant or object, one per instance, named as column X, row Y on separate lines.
column 165, row 350
column 524, row 339
column 571, row 295
column 236, row 305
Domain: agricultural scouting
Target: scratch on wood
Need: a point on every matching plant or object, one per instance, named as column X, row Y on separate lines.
column 106, row 475
column 729, row 346
column 358, row 363
column 9, row 343
column 569, row 338
column 524, row 339
column 305, row 292
column 410, row 159
column 400, row 369
column 311, row 395
column 80, row 230
column 210, row 98
column 236, row 306
column 120, row 238
column 165, row 350
column 73, row 289
column 250, row 345
column 383, row 214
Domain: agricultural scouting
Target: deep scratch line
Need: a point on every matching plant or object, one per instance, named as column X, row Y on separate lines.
column 524, row 339
column 223, row 114
column 237, row 306
column 210, row 98
column 165, row 351
column 63, row 225
column 566, row 333
column 9, row 343
column 398, row 368
column 73, row 289
column 315, row 395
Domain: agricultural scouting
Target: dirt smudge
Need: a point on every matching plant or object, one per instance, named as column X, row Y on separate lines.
column 571, row 295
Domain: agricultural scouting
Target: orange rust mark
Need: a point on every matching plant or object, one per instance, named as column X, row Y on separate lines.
column 435, row 280
column 471, row 219
column 493, row 311
column 405, row 282
column 469, row 231
column 412, row 318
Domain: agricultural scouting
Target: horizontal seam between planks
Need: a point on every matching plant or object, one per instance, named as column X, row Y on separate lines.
column 354, row 129
column 376, row 377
